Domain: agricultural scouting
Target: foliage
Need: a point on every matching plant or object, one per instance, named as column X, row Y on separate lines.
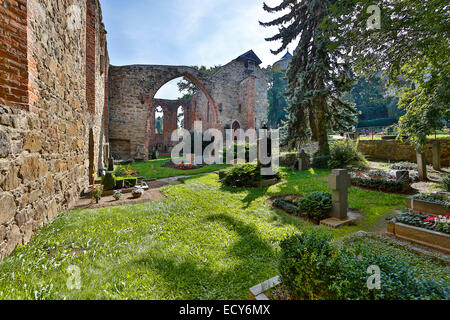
column 314, row 205
column 97, row 192
column 344, row 153
column 312, row 267
column 379, row 184
column 404, row 166
column 434, row 198
column 412, row 50
column 288, row 159
column 320, row 162
column 241, row 175
column 277, row 102
column 317, row 76
column 373, row 101
column 446, row 182
column 117, row 194
column 109, row 181
column 307, row 265
column 383, row 122
column 246, row 147
column 435, row 223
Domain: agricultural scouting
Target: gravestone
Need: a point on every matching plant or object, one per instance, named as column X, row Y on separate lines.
column 436, row 156
column 422, row 166
column 339, row 182
column 402, row 174
column 111, row 164
column 303, row 161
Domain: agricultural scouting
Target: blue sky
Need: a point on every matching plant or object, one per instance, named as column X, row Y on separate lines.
column 186, row 32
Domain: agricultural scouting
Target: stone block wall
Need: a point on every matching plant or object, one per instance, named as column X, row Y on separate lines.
column 45, row 119
column 397, row 151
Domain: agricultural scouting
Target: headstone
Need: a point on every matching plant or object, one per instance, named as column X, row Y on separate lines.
column 422, row 166
column 303, row 161
column 339, row 182
column 402, row 174
column 437, row 156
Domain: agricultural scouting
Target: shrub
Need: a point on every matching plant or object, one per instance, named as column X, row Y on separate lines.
column 109, row 181
column 311, row 267
column 446, row 182
column 286, row 206
column 344, row 153
column 399, row 281
column 307, row 264
column 288, row 159
column 320, row 162
column 316, row 205
column 242, row 175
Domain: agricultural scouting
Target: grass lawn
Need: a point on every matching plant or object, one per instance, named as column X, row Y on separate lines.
column 202, row 242
column 153, row 169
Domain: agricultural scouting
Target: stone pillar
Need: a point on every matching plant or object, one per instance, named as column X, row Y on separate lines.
column 303, row 161
column 437, row 156
column 339, row 182
column 422, row 166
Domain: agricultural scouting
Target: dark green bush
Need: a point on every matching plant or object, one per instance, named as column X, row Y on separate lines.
column 399, row 280
column 316, row 205
column 307, row 265
column 127, row 182
column 320, row 162
column 311, row 267
column 344, row 153
column 109, row 181
column 242, row 175
column 388, row 137
column 288, row 159
column 446, row 182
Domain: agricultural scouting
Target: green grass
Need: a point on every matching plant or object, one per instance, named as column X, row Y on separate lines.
column 202, row 242
column 153, row 169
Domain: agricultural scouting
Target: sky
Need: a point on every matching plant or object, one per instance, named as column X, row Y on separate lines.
column 187, row 32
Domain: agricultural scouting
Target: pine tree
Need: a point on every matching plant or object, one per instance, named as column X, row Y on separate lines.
column 317, row 76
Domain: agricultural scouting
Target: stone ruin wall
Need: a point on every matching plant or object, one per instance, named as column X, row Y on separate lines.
column 46, row 112
column 234, row 95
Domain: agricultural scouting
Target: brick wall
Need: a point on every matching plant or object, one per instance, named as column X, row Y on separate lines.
column 13, row 54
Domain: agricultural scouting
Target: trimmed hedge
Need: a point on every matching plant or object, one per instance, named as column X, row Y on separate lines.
column 383, row 122
column 109, row 181
column 379, row 184
column 315, row 205
column 242, row 175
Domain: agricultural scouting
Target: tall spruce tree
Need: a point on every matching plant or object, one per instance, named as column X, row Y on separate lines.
column 318, row 74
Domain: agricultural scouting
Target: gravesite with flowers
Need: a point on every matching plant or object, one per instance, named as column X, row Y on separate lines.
column 308, row 159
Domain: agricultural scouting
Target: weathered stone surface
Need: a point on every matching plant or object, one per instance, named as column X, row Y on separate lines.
column 10, row 181
column 7, row 208
column 13, row 238
column 397, row 151
column 2, row 233
column 30, row 169
column 5, row 146
column 32, row 143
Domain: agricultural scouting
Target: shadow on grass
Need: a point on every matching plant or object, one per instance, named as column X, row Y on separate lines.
column 250, row 262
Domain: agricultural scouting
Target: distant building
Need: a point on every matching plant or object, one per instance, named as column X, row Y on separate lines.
column 284, row 62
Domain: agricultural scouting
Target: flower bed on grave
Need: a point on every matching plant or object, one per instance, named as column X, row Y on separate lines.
column 313, row 207
column 380, row 180
column 181, row 166
column 435, row 204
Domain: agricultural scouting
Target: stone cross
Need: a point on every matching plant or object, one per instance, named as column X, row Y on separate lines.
column 339, row 182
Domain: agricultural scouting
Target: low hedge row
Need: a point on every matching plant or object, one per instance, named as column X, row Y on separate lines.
column 312, row 267
column 110, row 182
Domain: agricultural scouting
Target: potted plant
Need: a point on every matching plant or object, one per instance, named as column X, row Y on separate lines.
column 117, row 195
column 97, row 193
column 137, row 192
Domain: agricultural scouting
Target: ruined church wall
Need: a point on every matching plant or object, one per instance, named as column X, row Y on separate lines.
column 45, row 116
